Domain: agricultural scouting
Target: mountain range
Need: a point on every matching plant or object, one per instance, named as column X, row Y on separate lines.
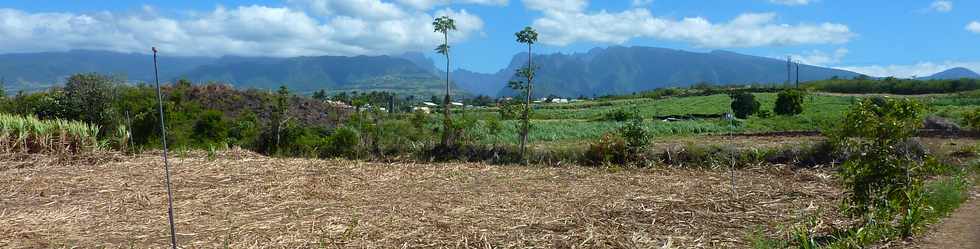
column 600, row 71
column 953, row 73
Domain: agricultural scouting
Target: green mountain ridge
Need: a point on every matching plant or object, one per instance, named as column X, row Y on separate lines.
column 600, row 71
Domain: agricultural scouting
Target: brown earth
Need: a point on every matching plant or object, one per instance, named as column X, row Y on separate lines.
column 959, row 230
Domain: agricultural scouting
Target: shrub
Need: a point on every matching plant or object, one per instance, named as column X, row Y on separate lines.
column 972, row 119
column 210, row 128
column 89, row 98
column 744, row 104
column 611, row 148
column 343, row 142
column 637, row 139
column 511, row 110
column 789, row 102
column 245, row 130
column 880, row 181
column 621, row 115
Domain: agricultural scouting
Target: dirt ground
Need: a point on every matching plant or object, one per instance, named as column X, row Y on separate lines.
column 242, row 200
column 959, row 230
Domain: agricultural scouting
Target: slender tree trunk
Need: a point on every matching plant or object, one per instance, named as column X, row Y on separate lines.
column 447, row 121
column 527, row 107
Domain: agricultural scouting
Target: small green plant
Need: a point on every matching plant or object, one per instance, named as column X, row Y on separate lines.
column 972, row 119
column 744, row 104
column 212, row 152
column 636, row 137
column 789, row 102
column 610, row 149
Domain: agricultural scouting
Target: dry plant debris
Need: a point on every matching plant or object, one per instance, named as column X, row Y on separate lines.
column 243, row 200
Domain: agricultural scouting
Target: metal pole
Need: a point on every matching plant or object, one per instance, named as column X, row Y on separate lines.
column 789, row 70
column 731, row 134
column 166, row 163
column 797, row 75
column 129, row 126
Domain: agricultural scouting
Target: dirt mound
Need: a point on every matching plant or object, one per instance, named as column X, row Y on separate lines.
column 941, row 124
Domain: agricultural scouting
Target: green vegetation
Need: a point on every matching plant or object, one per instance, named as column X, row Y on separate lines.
column 894, row 85
column 32, row 135
column 789, row 102
column 526, row 36
column 443, row 25
column 744, row 105
column 972, row 119
column 893, row 188
column 879, row 173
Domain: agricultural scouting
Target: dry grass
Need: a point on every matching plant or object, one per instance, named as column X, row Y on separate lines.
column 242, row 200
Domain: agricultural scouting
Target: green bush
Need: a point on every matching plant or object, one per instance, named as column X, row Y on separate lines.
column 211, row 128
column 972, row 119
column 343, row 142
column 511, row 110
column 879, row 180
column 610, row 149
column 744, row 104
column 637, row 139
column 244, row 131
column 789, row 103
column 621, row 115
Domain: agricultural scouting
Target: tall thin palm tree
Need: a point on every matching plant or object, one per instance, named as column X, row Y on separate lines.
column 443, row 25
column 527, row 36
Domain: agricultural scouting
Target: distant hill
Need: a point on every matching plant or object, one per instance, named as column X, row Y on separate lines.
column 331, row 73
column 401, row 74
column 622, row 70
column 954, row 73
column 601, row 71
column 37, row 71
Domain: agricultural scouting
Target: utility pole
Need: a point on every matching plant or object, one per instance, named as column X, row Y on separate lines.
column 797, row 75
column 789, row 69
column 166, row 163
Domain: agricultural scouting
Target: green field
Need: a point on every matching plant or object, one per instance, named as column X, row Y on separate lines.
column 581, row 121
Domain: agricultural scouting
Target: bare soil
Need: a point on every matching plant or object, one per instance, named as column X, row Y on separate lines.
column 242, row 200
column 959, row 230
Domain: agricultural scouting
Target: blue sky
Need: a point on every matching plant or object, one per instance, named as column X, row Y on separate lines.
column 876, row 37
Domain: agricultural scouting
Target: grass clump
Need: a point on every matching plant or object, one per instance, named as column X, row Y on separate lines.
column 28, row 134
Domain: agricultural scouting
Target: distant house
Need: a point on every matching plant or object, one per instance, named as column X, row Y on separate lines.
column 422, row 109
column 429, row 104
column 456, row 104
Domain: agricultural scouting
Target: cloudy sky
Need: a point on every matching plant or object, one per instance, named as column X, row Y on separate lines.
column 876, row 37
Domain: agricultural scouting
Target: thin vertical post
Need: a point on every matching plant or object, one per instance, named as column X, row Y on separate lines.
column 789, row 69
column 166, row 163
column 129, row 126
column 731, row 135
column 797, row 75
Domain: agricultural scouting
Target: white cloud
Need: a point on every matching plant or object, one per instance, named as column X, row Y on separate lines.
column 791, row 2
column 922, row 69
column 563, row 24
column 556, row 5
column 335, row 27
column 821, row 58
column 640, row 3
column 428, row 4
column 941, row 6
column 974, row 27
